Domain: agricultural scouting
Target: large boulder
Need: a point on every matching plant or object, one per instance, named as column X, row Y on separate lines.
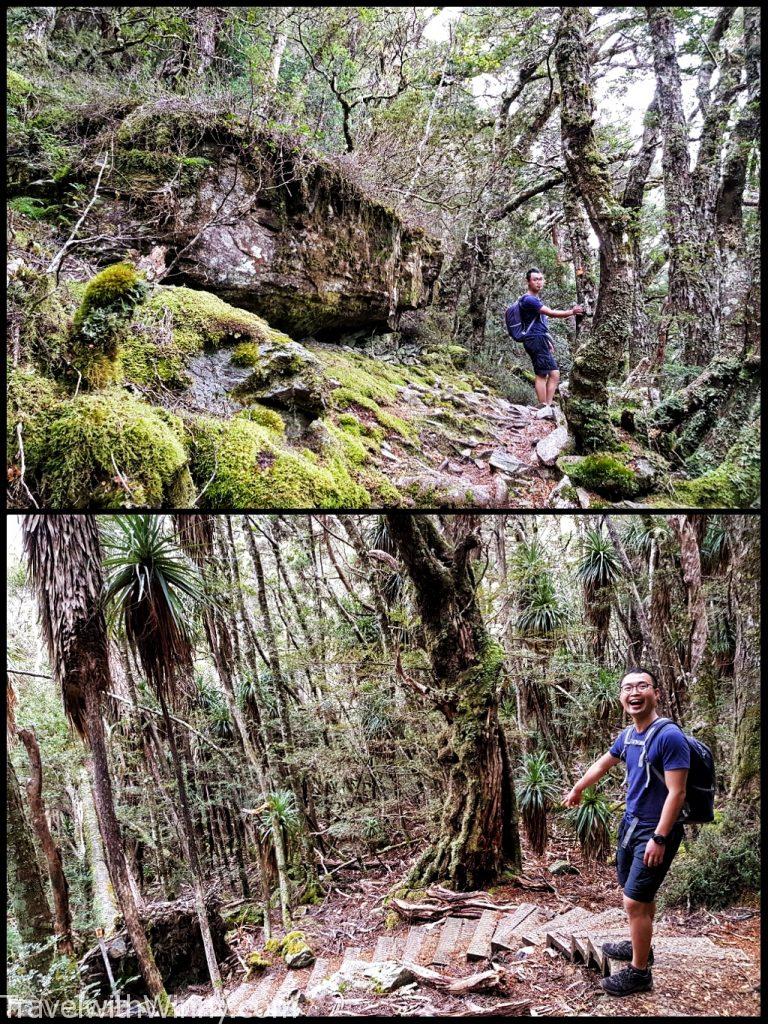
column 263, row 222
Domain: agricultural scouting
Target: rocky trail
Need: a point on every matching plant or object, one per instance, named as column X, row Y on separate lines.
column 509, row 959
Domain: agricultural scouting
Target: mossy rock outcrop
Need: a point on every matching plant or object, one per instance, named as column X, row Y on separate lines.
column 106, row 450
column 294, row 238
column 602, row 472
column 249, row 467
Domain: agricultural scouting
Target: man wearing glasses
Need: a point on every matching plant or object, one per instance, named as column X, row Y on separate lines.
column 649, row 834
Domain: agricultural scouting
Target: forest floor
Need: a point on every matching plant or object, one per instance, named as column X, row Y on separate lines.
column 352, row 918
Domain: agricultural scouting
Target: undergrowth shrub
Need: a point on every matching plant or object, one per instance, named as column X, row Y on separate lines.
column 717, row 868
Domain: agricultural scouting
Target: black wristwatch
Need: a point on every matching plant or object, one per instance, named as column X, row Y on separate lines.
column 659, row 840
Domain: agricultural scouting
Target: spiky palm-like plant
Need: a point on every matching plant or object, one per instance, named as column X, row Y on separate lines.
column 543, row 616
column 536, row 792
column 64, row 559
column 148, row 583
column 598, row 570
column 592, row 820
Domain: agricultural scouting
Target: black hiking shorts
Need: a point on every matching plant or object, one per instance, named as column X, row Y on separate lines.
column 541, row 355
column 639, row 882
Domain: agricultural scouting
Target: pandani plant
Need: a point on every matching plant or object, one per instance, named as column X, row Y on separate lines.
column 536, row 794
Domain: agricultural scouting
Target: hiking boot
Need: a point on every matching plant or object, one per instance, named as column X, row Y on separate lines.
column 627, row 982
column 622, row 951
column 545, row 413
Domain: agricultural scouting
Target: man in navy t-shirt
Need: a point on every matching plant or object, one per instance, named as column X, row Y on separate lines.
column 649, row 834
column 538, row 342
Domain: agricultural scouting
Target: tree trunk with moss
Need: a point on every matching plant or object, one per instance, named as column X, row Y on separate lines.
column 744, row 600
column 59, row 887
column 603, row 344
column 26, row 891
column 478, row 836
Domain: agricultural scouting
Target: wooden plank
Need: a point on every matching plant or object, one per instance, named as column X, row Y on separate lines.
column 292, row 981
column 383, row 948
column 352, row 953
column 670, row 950
column 414, row 943
column 502, row 937
column 608, row 920
column 319, row 973
column 567, row 923
column 449, row 937
column 398, row 946
column 480, row 944
column 595, row 943
column 530, row 927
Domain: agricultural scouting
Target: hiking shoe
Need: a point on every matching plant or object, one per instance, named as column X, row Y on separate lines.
column 628, row 981
column 622, row 951
column 545, row 413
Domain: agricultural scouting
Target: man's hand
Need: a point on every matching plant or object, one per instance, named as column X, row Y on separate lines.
column 573, row 799
column 654, row 854
column 577, row 311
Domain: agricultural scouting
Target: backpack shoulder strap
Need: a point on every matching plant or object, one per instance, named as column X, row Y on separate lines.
column 625, row 736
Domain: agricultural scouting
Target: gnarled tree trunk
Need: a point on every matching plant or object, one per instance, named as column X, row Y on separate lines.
column 478, row 836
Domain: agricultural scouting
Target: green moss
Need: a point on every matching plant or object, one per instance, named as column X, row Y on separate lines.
column 109, row 450
column 605, row 474
column 18, row 88
column 273, row 945
column 257, row 961
column 250, row 469
column 264, row 417
column 733, row 484
column 246, row 354
column 33, row 401
column 201, row 320
column 117, row 288
column 344, row 397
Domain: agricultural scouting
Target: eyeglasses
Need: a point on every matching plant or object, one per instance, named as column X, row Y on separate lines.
column 642, row 687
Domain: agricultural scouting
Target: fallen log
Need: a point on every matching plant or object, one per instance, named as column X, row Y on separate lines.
column 174, row 936
column 484, row 980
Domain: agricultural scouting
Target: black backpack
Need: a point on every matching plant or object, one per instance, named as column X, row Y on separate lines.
column 699, row 806
column 514, row 321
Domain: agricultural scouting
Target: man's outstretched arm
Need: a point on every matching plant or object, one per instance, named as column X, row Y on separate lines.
column 589, row 778
column 562, row 313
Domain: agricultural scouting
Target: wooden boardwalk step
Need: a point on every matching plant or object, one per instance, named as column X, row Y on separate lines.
column 581, row 947
column 530, row 927
column 414, row 943
column 567, row 923
column 318, row 973
column 503, row 937
column 613, row 919
column 292, row 981
column 383, row 950
column 257, row 1002
column 480, row 944
column 449, row 940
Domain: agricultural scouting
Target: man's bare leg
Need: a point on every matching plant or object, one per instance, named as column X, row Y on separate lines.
column 540, row 384
column 641, row 929
column 553, row 381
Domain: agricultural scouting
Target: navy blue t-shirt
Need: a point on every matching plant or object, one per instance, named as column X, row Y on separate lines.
column 529, row 307
column 667, row 751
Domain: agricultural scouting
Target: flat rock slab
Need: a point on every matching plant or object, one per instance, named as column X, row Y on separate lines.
column 508, row 463
column 549, row 448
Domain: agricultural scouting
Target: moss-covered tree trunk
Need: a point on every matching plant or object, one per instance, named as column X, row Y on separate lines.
column 603, row 344
column 59, row 887
column 744, row 601
column 26, row 891
column 478, row 836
